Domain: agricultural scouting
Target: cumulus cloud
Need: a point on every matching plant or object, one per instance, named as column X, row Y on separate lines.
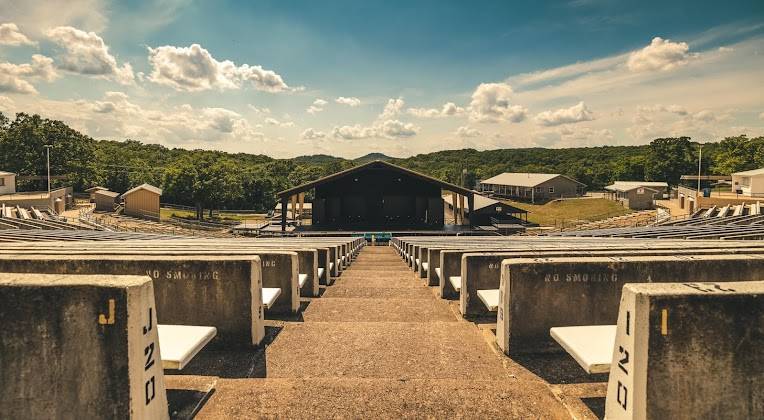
column 674, row 109
column 273, row 121
column 257, row 110
column 490, row 103
column 36, row 17
column 14, row 78
column 467, row 131
column 390, row 129
column 193, row 68
column 311, row 134
column 661, row 54
column 449, row 109
column 317, row 106
column 393, row 108
column 352, row 101
column 87, row 54
column 10, row 35
column 576, row 113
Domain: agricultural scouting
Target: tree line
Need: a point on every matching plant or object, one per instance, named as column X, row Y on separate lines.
column 211, row 179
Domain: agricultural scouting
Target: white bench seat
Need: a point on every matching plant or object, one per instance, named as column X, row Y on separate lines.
column 331, row 266
column 425, row 265
column 178, row 344
column 270, row 294
column 590, row 345
column 320, row 273
column 301, row 279
column 490, row 298
column 417, row 262
column 456, row 281
column 437, row 272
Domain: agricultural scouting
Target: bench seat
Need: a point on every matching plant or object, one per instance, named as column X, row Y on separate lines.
column 490, row 298
column 425, row 266
column 320, row 273
column 456, row 281
column 178, row 344
column 590, row 345
column 270, row 294
column 437, row 272
column 301, row 279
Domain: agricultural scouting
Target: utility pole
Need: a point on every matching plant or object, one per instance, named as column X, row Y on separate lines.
column 47, row 154
column 700, row 157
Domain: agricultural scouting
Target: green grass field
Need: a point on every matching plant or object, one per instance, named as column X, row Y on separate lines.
column 166, row 213
column 555, row 213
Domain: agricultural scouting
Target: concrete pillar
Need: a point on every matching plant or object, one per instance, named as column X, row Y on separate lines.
column 283, row 213
column 454, row 208
column 302, row 202
column 471, row 207
column 461, row 209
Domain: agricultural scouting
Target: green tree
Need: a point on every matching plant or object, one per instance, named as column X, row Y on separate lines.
column 670, row 158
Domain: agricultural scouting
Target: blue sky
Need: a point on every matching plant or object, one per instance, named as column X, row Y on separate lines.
column 267, row 77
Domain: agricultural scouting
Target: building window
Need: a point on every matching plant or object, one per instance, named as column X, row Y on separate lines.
column 551, row 190
column 538, row 189
column 2, row 182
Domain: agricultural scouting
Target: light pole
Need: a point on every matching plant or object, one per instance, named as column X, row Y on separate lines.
column 697, row 192
column 47, row 155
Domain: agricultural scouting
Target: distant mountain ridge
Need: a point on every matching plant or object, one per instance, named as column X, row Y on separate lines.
column 373, row 156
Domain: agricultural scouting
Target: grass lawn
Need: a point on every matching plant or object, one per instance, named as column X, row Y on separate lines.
column 555, row 212
column 166, row 213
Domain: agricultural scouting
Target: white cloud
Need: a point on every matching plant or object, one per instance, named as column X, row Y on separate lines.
column 351, row 101
column 449, row 109
column 194, row 69
column 35, row 17
column 87, row 54
column 576, row 113
column 317, row 106
column 490, row 103
column 393, row 108
column 311, row 134
column 467, row 131
column 674, row 109
column 10, row 35
column 705, row 116
column 14, row 77
column 273, row 121
column 257, row 110
column 397, row 129
column 661, row 54
column 354, row 132
column 390, row 129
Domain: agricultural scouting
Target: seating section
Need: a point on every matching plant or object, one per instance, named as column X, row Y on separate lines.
column 563, row 293
column 202, row 293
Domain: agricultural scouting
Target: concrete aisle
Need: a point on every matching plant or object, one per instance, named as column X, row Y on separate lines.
column 378, row 343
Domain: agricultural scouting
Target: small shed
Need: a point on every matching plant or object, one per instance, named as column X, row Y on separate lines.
column 488, row 211
column 92, row 190
column 104, row 200
column 634, row 197
column 7, row 182
column 142, row 201
column 749, row 183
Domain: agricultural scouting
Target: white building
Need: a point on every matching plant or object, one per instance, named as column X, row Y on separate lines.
column 7, row 182
column 749, row 183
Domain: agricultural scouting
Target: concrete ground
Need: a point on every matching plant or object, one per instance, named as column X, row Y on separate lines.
column 380, row 344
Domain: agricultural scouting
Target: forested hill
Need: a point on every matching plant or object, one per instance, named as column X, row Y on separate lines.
column 246, row 181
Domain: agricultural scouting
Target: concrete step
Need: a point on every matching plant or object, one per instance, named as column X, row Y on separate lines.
column 435, row 350
column 380, row 398
column 343, row 291
column 378, row 310
column 374, row 281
